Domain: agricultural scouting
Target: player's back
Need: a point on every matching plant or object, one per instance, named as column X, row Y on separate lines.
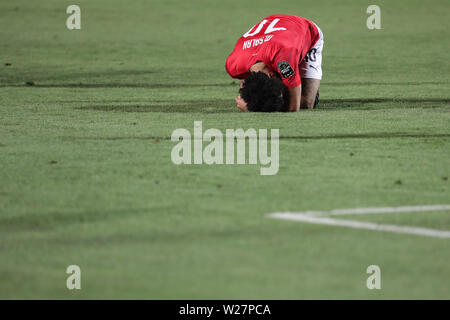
column 263, row 41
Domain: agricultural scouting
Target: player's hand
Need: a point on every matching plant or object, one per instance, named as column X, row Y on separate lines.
column 240, row 103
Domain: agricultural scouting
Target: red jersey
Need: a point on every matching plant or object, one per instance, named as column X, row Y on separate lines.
column 280, row 41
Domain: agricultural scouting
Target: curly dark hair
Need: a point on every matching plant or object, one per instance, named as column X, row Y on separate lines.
column 264, row 94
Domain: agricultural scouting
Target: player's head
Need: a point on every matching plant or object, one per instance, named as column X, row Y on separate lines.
column 264, row 94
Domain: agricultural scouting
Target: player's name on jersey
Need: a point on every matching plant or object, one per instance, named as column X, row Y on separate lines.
column 256, row 42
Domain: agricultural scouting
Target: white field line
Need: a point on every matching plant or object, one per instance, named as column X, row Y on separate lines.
column 316, row 217
column 438, row 207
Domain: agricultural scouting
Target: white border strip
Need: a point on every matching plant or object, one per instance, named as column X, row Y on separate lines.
column 316, row 217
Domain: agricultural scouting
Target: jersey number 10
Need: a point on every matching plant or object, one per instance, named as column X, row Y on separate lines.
column 271, row 28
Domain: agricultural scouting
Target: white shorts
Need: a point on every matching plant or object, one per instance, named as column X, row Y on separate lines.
column 311, row 65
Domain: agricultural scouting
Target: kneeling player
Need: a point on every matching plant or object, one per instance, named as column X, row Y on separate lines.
column 279, row 62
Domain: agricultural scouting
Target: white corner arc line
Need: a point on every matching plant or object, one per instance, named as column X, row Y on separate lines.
column 316, row 217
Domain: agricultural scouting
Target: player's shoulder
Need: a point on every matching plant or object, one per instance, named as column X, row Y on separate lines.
column 236, row 64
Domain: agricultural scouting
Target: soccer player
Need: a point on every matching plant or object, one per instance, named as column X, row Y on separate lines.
column 279, row 62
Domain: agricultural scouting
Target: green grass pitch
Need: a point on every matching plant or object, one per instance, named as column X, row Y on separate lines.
column 86, row 175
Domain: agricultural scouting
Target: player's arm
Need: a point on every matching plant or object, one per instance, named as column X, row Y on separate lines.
column 309, row 92
column 294, row 98
column 287, row 67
